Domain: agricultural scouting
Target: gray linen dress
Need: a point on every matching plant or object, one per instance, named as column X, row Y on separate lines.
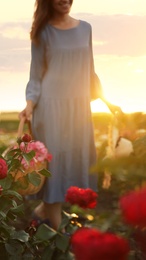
column 61, row 77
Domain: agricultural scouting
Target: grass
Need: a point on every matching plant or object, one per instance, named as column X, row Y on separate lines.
column 8, row 122
column 9, row 116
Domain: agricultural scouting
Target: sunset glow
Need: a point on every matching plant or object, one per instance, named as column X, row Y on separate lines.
column 119, row 48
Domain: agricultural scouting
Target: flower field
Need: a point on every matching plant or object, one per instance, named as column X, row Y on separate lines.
column 108, row 225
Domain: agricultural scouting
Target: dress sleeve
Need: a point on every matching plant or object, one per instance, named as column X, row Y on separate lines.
column 37, row 68
column 95, row 84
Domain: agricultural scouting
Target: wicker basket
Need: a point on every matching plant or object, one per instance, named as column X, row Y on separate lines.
column 31, row 189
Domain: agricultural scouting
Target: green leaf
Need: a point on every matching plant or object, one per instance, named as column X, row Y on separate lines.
column 2, row 215
column 48, row 253
column 5, row 204
column 20, row 235
column 44, row 232
column 14, row 164
column 15, row 212
column 77, row 210
column 14, row 248
column 5, row 229
column 62, row 242
column 65, row 222
column 13, row 151
column 45, row 172
column 7, row 182
column 14, row 204
column 11, row 217
column 13, row 193
column 18, row 209
column 34, row 178
column 28, row 156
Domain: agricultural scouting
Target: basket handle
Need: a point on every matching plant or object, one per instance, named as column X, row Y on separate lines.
column 21, row 126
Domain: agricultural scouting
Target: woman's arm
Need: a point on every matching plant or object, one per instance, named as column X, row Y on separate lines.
column 37, row 68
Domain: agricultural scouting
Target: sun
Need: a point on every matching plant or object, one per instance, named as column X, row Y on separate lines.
column 99, row 106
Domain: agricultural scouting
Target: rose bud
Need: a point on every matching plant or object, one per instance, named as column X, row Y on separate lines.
column 26, row 138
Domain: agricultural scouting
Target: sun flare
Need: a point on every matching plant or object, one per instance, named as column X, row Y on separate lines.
column 99, row 106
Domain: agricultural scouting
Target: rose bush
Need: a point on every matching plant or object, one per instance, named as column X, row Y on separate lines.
column 109, row 233
column 126, row 187
column 15, row 243
column 32, row 241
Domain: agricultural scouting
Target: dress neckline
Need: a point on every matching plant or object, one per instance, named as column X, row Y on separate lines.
column 68, row 29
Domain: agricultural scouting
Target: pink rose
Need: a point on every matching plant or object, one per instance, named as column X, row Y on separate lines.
column 41, row 153
column 3, row 169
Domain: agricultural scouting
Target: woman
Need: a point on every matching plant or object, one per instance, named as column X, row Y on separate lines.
column 61, row 85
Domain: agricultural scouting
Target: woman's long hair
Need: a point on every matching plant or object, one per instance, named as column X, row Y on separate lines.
column 42, row 14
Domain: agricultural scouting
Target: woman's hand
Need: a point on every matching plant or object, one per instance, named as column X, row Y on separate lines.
column 27, row 112
column 116, row 110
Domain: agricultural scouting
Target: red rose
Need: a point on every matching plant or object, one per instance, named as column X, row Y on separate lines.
column 91, row 244
column 3, row 169
column 133, row 207
column 26, row 138
column 85, row 198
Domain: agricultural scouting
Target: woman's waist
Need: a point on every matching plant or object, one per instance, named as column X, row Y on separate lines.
column 64, row 87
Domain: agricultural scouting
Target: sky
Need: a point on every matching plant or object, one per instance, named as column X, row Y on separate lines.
column 119, row 45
